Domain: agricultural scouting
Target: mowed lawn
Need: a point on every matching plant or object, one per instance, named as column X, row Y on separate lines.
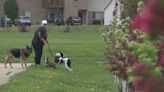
column 84, row 45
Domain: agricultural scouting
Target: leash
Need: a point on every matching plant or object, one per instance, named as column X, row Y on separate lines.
column 50, row 50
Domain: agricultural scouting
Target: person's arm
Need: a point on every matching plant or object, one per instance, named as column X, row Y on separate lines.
column 43, row 40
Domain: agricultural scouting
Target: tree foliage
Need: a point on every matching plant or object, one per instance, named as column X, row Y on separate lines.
column 130, row 8
column 11, row 8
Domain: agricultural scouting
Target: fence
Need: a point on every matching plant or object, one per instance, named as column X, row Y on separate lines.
column 121, row 84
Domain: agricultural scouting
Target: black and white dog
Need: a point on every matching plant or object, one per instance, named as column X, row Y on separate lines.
column 59, row 59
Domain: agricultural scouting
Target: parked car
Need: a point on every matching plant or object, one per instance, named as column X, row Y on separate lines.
column 8, row 22
column 5, row 21
column 73, row 20
column 59, row 21
column 23, row 20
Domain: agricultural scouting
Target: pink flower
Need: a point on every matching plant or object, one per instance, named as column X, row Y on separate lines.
column 161, row 60
column 139, row 68
column 142, row 21
column 151, row 20
column 138, row 83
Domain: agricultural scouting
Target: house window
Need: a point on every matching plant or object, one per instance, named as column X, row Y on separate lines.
column 57, row 2
column 51, row 1
column 26, row 13
column 94, row 15
column 51, row 15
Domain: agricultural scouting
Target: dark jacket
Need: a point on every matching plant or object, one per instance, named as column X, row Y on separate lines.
column 40, row 33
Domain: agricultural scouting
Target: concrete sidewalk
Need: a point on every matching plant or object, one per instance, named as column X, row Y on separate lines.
column 5, row 74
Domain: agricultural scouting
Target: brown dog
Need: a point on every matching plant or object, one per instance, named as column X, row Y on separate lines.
column 50, row 64
column 22, row 54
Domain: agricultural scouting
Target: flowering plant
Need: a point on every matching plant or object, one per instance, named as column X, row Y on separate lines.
column 151, row 22
column 136, row 53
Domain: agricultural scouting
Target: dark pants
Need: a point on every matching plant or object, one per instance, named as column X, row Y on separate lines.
column 38, row 47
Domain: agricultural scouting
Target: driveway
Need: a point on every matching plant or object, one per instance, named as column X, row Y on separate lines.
column 5, row 74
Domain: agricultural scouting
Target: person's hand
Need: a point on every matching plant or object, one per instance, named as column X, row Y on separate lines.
column 44, row 41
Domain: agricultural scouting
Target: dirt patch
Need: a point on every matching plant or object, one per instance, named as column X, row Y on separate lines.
column 5, row 74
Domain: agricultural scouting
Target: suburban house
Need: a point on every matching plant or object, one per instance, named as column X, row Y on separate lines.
column 95, row 10
column 90, row 11
column 114, row 7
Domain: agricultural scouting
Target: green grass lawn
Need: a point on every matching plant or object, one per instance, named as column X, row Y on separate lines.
column 83, row 45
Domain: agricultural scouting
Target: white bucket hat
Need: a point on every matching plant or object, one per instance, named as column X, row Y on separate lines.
column 44, row 22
